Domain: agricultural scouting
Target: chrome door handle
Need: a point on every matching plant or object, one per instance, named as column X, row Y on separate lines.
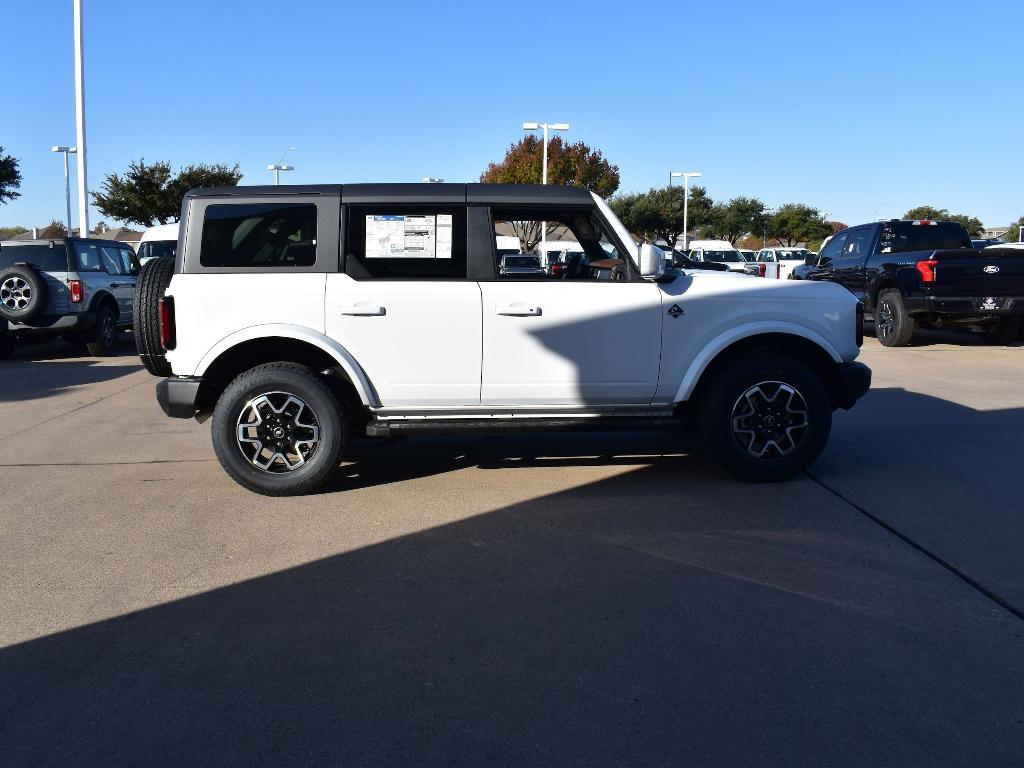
column 518, row 310
column 362, row 310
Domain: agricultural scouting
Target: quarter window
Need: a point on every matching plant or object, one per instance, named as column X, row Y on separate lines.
column 271, row 235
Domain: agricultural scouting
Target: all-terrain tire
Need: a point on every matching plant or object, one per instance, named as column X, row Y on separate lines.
column 102, row 341
column 22, row 293
column 756, row 405
column 153, row 280
column 894, row 327
column 273, row 384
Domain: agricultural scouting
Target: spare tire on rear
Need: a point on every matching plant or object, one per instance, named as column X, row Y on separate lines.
column 22, row 293
column 153, row 280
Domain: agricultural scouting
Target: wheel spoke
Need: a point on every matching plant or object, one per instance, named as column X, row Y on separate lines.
column 769, row 420
column 277, row 432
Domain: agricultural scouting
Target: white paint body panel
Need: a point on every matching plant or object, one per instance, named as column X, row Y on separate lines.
column 590, row 343
column 418, row 341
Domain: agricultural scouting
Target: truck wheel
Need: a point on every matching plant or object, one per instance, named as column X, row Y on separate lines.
column 893, row 326
column 279, row 430
column 103, row 340
column 766, row 417
column 153, row 280
column 22, row 293
column 1004, row 331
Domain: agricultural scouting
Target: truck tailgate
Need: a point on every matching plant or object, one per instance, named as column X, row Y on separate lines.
column 992, row 272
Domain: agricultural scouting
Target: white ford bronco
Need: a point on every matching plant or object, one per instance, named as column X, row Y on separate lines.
column 303, row 317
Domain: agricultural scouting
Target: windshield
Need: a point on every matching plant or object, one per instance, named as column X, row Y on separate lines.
column 733, row 257
column 155, row 248
column 522, row 262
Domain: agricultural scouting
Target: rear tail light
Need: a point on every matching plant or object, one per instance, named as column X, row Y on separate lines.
column 762, row 269
column 860, row 324
column 76, row 291
column 927, row 269
column 167, row 339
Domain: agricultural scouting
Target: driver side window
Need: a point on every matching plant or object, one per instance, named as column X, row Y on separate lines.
column 574, row 246
column 834, row 248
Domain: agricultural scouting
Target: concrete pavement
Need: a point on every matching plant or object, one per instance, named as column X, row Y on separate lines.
column 515, row 600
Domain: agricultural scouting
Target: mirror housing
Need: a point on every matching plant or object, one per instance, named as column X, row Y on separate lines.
column 652, row 262
column 811, row 259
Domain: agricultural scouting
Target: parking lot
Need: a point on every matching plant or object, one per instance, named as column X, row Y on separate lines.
column 551, row 599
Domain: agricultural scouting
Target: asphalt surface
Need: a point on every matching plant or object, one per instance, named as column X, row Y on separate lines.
column 515, row 600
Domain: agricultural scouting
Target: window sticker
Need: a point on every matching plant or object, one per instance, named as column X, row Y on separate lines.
column 409, row 236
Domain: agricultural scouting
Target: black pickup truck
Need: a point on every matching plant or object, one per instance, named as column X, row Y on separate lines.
column 911, row 273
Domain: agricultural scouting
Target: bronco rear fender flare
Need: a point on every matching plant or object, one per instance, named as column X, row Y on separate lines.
column 354, row 371
column 723, row 341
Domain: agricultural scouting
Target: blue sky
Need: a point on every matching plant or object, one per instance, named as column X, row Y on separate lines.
column 854, row 107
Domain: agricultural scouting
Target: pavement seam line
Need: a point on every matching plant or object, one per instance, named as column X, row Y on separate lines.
column 962, row 575
column 73, row 410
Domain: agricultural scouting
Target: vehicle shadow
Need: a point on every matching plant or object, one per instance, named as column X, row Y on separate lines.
column 928, row 337
column 40, row 370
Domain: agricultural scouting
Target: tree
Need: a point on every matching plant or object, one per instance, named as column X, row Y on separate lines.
column 731, row 221
column 10, row 177
column 54, row 229
column 1013, row 233
column 149, row 194
column 798, row 223
column 972, row 224
column 575, row 165
column 6, row 233
column 658, row 213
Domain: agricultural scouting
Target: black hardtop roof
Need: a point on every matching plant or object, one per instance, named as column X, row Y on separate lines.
column 497, row 194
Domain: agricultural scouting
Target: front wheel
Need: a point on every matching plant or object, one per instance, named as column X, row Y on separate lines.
column 766, row 417
column 1004, row 331
column 279, row 430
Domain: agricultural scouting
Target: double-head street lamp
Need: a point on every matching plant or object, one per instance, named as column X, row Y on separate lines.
column 686, row 200
column 67, row 181
column 279, row 166
column 544, row 165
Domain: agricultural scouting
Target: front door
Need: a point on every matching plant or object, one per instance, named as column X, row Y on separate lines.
column 590, row 335
column 404, row 308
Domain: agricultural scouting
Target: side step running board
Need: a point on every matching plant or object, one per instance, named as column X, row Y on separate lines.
column 389, row 427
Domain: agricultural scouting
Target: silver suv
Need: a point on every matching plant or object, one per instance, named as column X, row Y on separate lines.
column 78, row 288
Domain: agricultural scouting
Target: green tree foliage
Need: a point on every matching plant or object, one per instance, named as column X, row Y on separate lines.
column 150, row 194
column 972, row 224
column 54, row 229
column 575, row 165
column 1013, row 234
column 6, row 233
column 736, row 218
column 798, row 223
column 10, row 177
column 658, row 213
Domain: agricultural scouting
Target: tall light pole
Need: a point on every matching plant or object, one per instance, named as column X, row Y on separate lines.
column 67, row 180
column 83, row 185
column 280, row 166
column 686, row 201
column 544, row 169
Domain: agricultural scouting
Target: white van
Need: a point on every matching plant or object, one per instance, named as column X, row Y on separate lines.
column 161, row 240
column 506, row 245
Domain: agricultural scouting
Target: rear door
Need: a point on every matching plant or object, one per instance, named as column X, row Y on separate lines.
column 403, row 307
column 575, row 339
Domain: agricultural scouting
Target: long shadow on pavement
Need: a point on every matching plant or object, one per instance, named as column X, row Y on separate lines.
column 42, row 370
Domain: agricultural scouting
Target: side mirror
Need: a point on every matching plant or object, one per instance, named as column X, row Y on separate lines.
column 652, row 262
column 810, row 259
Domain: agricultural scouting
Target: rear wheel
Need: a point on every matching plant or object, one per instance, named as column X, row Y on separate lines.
column 103, row 340
column 1004, row 331
column 894, row 327
column 766, row 417
column 153, row 280
column 279, row 430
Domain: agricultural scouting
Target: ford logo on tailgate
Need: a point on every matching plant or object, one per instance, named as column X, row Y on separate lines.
column 991, row 269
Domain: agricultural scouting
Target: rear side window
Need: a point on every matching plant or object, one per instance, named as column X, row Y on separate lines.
column 259, row 235
column 154, row 249
column 42, row 257
column 406, row 243
column 905, row 236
